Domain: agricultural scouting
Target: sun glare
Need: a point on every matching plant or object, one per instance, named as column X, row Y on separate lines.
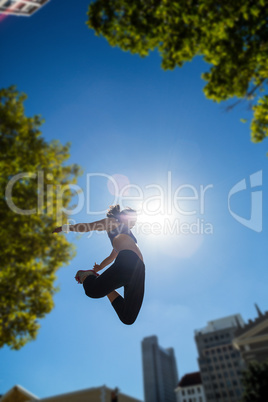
column 154, row 214
column 174, row 235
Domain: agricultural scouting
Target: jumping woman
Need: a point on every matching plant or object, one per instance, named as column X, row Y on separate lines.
column 128, row 269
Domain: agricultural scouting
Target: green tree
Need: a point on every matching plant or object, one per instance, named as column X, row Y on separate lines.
column 33, row 175
column 230, row 35
column 255, row 383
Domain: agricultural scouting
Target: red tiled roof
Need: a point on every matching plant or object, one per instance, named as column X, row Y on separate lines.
column 190, row 379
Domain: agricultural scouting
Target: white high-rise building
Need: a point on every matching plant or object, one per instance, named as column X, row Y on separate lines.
column 219, row 362
column 21, row 7
column 160, row 376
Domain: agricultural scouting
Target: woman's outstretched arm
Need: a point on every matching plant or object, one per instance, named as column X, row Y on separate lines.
column 103, row 224
column 88, row 227
column 106, row 262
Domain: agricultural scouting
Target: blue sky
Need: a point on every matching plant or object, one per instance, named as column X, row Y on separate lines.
column 125, row 116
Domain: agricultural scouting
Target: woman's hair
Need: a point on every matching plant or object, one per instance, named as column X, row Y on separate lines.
column 114, row 212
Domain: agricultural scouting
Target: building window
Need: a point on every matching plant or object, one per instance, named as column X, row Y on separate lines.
column 198, row 389
column 200, row 399
column 183, row 392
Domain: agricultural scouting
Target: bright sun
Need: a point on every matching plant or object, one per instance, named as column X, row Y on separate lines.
column 154, row 214
column 163, row 231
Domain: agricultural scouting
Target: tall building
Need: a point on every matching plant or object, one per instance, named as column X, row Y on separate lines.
column 219, row 362
column 252, row 339
column 21, row 7
column 160, row 376
column 190, row 388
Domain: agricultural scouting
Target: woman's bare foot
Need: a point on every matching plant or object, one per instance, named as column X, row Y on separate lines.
column 82, row 275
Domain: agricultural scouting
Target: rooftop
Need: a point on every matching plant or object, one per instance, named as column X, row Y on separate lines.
column 190, row 379
column 222, row 323
column 252, row 323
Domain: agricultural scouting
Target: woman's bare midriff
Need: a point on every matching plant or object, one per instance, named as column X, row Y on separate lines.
column 125, row 242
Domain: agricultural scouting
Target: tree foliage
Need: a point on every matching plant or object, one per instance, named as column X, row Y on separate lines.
column 230, row 35
column 30, row 253
column 255, row 382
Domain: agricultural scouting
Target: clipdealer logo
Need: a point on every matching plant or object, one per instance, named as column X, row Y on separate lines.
column 168, row 204
column 255, row 220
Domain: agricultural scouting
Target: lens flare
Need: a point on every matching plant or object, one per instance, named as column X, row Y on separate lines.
column 177, row 236
column 118, row 185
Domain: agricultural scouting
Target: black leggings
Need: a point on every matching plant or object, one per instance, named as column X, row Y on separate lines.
column 128, row 270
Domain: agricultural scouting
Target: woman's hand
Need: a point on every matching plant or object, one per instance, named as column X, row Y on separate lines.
column 97, row 267
column 57, row 230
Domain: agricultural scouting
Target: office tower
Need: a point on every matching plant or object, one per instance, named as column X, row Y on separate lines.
column 160, row 376
column 252, row 339
column 219, row 362
column 190, row 388
column 21, row 7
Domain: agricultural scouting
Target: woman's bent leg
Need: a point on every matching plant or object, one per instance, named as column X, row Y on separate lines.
column 97, row 287
column 116, row 276
column 113, row 295
column 128, row 308
column 128, row 271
